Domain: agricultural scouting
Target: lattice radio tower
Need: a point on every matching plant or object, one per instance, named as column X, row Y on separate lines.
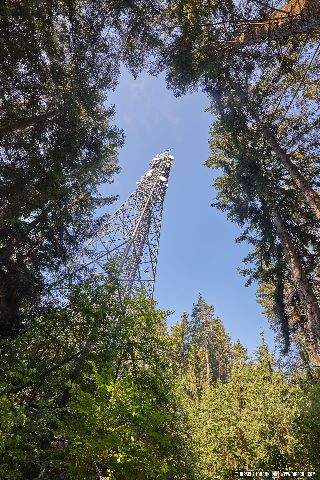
column 130, row 237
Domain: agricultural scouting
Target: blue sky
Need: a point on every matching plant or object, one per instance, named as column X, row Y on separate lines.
column 198, row 252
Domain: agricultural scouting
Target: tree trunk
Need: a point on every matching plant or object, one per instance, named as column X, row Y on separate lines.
column 11, row 125
column 207, row 363
column 294, row 17
column 302, row 283
column 310, row 195
column 206, row 355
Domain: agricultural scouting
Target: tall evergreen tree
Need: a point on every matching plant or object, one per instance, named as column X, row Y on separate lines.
column 200, row 348
column 57, row 142
column 271, row 217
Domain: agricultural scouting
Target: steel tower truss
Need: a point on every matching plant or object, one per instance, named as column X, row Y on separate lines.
column 130, row 237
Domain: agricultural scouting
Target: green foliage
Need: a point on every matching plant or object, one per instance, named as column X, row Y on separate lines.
column 12, row 417
column 95, row 389
column 258, row 417
column 89, row 389
column 121, row 426
column 200, row 348
column 308, row 424
column 57, row 142
column 250, row 422
column 250, row 187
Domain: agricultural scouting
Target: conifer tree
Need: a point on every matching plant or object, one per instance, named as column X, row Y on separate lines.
column 57, row 142
column 200, row 348
column 258, row 203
